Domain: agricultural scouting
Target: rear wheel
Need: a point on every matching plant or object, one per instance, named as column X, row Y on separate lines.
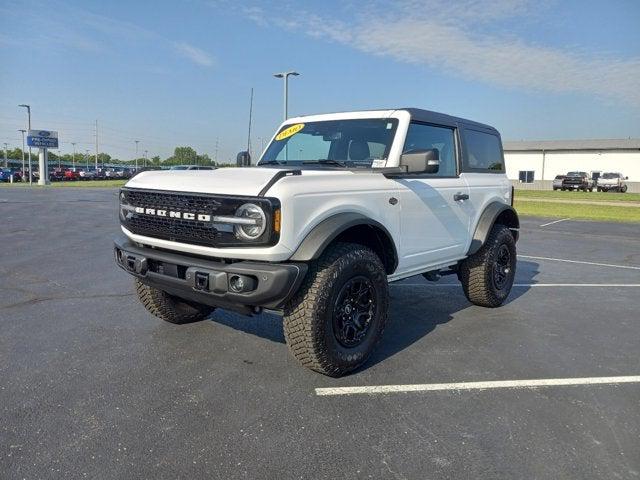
column 338, row 315
column 169, row 308
column 487, row 275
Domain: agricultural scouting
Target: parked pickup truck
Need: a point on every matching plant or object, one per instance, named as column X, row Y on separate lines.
column 577, row 181
column 612, row 181
column 338, row 206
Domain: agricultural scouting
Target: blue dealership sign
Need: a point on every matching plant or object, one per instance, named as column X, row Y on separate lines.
column 42, row 139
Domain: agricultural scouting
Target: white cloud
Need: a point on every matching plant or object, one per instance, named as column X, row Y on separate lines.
column 462, row 39
column 194, row 54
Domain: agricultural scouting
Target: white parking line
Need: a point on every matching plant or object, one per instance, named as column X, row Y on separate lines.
column 527, row 285
column 629, row 267
column 438, row 387
column 557, row 221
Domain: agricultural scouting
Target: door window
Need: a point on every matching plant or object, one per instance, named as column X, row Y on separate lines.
column 424, row 137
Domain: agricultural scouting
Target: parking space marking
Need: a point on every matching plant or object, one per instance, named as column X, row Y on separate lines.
column 556, row 221
column 527, row 285
column 513, row 384
column 629, row 267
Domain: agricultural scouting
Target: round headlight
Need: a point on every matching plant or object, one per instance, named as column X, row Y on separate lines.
column 256, row 222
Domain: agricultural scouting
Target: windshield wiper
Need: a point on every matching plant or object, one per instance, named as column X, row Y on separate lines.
column 324, row 161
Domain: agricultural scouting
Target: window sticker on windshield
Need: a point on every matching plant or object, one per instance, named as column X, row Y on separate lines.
column 377, row 163
column 389, row 126
column 290, row 131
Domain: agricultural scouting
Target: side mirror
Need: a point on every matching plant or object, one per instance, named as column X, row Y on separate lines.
column 421, row 161
column 626, row 178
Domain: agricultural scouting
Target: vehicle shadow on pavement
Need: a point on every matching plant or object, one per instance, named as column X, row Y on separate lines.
column 415, row 310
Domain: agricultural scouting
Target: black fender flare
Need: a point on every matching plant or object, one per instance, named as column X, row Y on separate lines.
column 330, row 228
column 509, row 217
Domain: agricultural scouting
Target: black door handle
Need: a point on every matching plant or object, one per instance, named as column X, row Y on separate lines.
column 460, row 196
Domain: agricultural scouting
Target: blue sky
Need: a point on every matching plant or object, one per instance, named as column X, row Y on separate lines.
column 179, row 72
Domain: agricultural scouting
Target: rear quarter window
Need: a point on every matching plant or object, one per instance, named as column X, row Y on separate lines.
column 482, row 152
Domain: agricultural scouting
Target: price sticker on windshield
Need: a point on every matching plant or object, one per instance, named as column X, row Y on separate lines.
column 290, row 131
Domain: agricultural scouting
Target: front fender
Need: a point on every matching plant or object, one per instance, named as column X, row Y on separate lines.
column 328, row 230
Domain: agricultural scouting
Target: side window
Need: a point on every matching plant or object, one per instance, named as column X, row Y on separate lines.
column 423, row 137
column 482, row 152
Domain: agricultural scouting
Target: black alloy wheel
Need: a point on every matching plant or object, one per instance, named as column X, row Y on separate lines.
column 353, row 310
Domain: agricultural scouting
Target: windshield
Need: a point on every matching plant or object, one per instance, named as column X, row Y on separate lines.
column 577, row 174
column 343, row 143
column 610, row 175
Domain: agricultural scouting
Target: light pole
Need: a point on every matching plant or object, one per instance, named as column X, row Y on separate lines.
column 28, row 107
column 87, row 158
column 23, row 167
column 145, row 158
column 73, row 158
column 137, row 142
column 286, row 75
column 6, row 161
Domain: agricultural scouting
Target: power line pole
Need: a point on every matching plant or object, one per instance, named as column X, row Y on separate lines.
column 96, row 145
column 73, row 159
column 23, row 166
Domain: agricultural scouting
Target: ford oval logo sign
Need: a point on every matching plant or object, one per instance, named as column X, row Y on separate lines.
column 43, row 133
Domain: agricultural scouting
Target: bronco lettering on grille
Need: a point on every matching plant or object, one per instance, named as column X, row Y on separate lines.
column 200, row 217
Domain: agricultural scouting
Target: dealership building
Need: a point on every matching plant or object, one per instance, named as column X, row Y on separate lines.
column 534, row 164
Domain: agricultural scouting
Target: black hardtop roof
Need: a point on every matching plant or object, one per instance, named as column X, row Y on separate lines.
column 435, row 117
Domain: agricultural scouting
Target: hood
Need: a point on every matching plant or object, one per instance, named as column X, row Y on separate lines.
column 608, row 180
column 224, row 181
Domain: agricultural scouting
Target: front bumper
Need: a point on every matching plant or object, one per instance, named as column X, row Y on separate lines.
column 208, row 281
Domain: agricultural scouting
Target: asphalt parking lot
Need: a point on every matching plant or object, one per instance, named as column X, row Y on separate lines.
column 92, row 386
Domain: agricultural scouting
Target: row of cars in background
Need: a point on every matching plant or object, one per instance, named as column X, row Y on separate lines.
column 82, row 173
column 606, row 182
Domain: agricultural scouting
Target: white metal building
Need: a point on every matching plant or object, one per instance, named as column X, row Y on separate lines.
column 541, row 161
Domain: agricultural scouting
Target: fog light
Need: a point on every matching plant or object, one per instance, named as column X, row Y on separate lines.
column 241, row 283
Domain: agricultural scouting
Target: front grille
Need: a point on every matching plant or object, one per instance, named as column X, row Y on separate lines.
column 190, row 231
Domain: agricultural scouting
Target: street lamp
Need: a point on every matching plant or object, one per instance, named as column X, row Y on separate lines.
column 286, row 75
column 23, row 169
column 6, row 161
column 137, row 142
column 28, row 107
column 145, row 158
column 73, row 159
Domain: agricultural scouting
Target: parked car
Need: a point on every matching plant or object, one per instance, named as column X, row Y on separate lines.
column 5, row 175
column 87, row 174
column 71, row 174
column 391, row 195
column 612, row 181
column 557, row 182
column 17, row 174
column 110, row 173
column 56, row 175
column 577, row 181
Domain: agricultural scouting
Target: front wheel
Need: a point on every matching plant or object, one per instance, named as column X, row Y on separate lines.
column 338, row 315
column 169, row 308
column 623, row 189
column 487, row 275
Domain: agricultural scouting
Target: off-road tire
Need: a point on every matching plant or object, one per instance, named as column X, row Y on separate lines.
column 169, row 308
column 476, row 273
column 309, row 315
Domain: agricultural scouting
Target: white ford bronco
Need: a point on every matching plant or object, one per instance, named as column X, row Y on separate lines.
column 338, row 206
